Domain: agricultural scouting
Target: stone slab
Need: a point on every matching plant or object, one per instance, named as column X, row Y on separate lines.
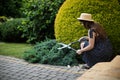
column 103, row 71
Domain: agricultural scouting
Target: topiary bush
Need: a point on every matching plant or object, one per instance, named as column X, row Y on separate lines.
column 46, row 52
column 9, row 31
column 106, row 12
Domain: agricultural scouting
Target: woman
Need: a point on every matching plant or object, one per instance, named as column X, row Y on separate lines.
column 95, row 47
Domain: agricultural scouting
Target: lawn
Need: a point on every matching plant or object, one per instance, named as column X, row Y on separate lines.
column 14, row 49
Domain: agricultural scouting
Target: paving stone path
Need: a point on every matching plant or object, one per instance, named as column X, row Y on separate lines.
column 17, row 69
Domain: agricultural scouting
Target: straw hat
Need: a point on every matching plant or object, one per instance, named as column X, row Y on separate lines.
column 85, row 17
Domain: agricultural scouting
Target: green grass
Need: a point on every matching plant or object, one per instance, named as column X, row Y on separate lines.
column 14, row 49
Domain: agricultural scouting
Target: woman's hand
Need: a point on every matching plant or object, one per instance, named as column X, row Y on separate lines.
column 79, row 51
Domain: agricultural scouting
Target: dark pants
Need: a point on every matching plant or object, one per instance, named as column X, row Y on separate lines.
column 92, row 57
column 88, row 58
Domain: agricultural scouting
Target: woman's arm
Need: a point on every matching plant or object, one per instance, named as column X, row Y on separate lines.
column 91, row 43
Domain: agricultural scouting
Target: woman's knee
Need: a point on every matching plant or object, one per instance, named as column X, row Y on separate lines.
column 84, row 44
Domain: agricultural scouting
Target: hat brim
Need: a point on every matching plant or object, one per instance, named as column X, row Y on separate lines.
column 85, row 19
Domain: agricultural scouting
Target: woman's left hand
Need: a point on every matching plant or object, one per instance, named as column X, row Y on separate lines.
column 79, row 52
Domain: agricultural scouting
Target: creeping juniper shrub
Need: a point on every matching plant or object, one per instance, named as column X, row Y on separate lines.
column 47, row 53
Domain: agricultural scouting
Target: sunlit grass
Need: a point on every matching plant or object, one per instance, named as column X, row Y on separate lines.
column 14, row 49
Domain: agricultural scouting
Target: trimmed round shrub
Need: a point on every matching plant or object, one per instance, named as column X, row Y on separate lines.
column 10, row 31
column 106, row 12
column 47, row 53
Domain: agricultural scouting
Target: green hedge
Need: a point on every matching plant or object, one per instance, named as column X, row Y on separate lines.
column 106, row 12
column 10, row 32
column 11, row 8
column 41, row 14
column 3, row 19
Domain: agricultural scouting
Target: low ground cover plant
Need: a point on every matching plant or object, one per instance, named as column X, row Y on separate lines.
column 47, row 53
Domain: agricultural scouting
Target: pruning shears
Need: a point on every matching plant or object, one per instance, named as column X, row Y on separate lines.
column 69, row 45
